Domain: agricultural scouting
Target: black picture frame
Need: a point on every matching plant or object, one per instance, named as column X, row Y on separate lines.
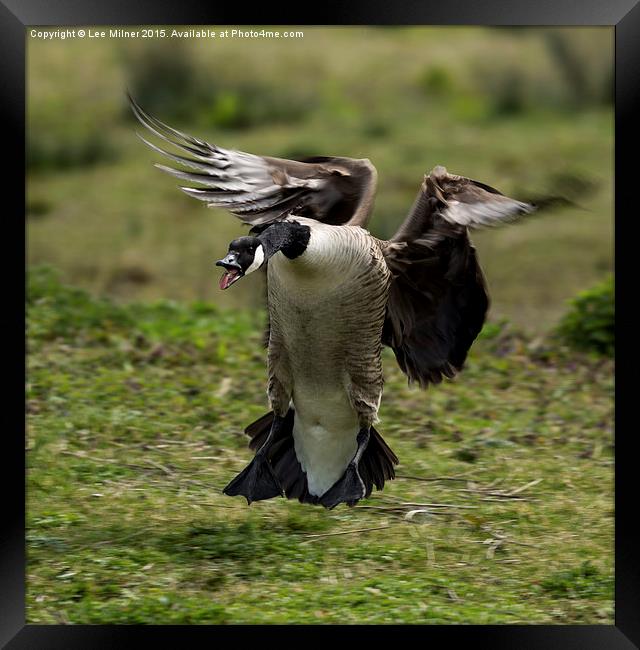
column 17, row 15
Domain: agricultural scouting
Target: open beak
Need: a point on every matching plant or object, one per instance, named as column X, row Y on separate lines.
column 232, row 271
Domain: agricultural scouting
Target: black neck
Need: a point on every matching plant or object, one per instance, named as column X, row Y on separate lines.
column 290, row 237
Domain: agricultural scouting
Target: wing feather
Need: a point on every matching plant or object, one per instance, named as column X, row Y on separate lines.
column 438, row 298
column 262, row 189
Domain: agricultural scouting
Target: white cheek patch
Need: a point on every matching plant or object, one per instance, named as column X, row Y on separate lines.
column 258, row 258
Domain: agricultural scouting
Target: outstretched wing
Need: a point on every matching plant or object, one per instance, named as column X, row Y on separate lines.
column 259, row 189
column 438, row 298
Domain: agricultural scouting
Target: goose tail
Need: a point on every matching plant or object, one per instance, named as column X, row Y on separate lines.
column 375, row 467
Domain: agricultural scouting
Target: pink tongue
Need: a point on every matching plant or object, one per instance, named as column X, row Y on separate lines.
column 227, row 278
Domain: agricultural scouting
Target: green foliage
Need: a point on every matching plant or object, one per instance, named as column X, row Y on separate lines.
column 38, row 208
column 220, row 541
column 508, row 92
column 252, row 104
column 58, row 311
column 437, row 81
column 589, row 324
column 493, row 329
column 585, row 581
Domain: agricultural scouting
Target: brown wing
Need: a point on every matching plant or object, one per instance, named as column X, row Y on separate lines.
column 438, row 298
column 261, row 189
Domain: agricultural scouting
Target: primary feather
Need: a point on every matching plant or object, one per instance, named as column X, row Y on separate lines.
column 262, row 189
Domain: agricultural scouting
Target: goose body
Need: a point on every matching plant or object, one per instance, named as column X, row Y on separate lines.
column 335, row 296
column 327, row 310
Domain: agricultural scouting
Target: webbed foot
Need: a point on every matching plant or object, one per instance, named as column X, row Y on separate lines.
column 348, row 489
column 255, row 482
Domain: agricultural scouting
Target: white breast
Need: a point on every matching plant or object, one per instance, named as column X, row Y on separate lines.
column 324, row 433
column 312, row 306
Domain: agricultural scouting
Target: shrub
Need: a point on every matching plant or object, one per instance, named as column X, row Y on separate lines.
column 436, row 81
column 588, row 325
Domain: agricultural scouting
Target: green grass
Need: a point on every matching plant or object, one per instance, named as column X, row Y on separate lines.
column 135, row 414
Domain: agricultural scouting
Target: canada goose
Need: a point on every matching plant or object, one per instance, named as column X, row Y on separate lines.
column 336, row 295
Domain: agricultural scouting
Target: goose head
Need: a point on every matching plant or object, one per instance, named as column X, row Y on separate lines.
column 245, row 255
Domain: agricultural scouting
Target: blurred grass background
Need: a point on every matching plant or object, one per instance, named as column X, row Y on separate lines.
column 525, row 110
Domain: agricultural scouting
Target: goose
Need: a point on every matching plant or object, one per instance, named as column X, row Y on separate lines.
column 336, row 295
